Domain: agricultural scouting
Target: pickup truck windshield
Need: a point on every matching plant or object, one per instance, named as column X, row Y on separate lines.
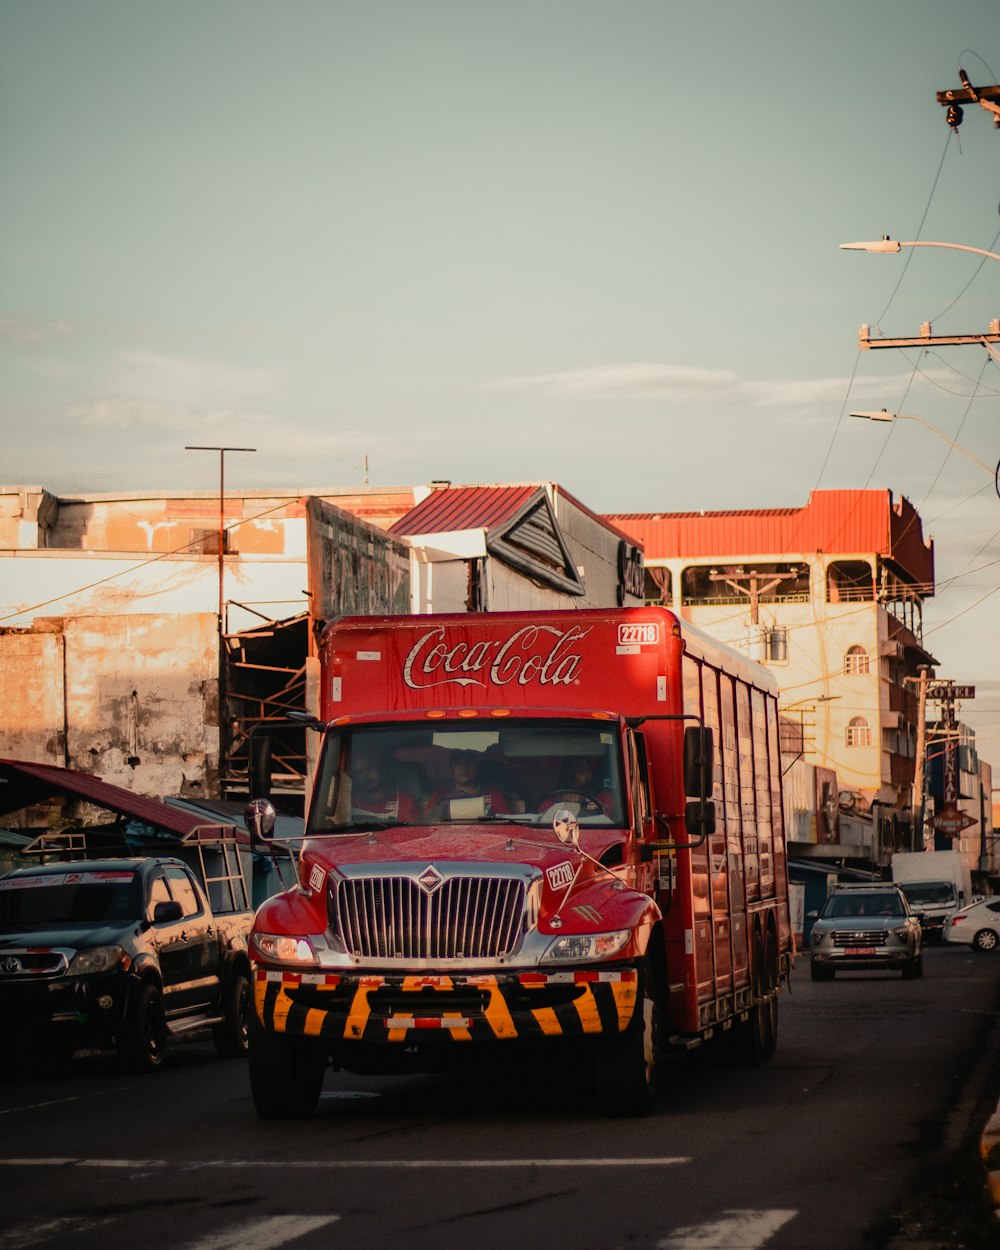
column 69, row 898
column 451, row 771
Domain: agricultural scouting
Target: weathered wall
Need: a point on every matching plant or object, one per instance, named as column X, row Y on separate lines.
column 131, row 699
column 31, row 694
column 354, row 568
column 38, row 583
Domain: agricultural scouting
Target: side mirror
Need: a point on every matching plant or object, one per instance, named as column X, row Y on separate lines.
column 259, row 817
column 699, row 818
column 566, row 827
column 167, row 911
column 812, row 915
column 699, row 761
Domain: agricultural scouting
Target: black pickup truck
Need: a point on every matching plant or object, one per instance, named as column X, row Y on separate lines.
column 121, row 953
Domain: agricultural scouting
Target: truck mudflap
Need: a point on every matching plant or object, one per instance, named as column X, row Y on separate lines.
column 463, row 1008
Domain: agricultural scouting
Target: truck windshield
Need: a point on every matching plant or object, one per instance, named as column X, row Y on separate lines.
column 69, row 898
column 450, row 771
column 929, row 892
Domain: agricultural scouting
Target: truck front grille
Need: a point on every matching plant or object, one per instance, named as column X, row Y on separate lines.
column 395, row 918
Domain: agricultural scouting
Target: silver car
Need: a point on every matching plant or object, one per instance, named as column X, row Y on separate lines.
column 865, row 927
column 977, row 925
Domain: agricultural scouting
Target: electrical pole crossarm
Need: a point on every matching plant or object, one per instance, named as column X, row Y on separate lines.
column 968, row 95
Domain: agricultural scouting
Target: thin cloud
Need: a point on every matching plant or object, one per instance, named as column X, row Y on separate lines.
column 191, row 383
column 28, row 330
column 683, row 384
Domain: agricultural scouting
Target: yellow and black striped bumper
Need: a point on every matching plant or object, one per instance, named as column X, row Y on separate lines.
column 465, row 1008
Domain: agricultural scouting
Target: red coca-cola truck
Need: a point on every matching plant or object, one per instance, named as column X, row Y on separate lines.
column 533, row 828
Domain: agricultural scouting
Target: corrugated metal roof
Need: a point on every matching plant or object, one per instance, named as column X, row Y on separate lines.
column 832, row 522
column 465, row 508
column 23, row 783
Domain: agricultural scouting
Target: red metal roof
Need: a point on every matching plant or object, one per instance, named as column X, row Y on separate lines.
column 23, row 783
column 835, row 522
column 465, row 508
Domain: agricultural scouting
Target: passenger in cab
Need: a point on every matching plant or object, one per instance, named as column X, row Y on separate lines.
column 467, row 783
column 372, row 792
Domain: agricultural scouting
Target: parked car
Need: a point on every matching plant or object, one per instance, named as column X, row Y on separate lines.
column 125, row 953
column 977, row 925
column 864, row 927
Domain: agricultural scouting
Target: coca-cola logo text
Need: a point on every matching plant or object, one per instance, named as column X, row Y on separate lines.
column 542, row 653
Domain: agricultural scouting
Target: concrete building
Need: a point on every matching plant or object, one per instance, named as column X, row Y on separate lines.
column 829, row 596
column 122, row 627
column 128, row 621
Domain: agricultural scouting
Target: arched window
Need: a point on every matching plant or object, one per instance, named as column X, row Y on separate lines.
column 856, row 660
column 859, row 732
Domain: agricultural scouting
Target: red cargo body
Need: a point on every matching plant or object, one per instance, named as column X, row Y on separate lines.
column 579, row 887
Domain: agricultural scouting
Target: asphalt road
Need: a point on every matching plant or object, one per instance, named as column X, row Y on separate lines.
column 873, row 1090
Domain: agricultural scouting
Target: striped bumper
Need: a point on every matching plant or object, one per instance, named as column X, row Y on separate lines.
column 462, row 1008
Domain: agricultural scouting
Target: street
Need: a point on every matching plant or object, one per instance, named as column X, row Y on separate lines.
column 821, row 1148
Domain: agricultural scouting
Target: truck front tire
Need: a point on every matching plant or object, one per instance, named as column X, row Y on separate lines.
column 626, row 1066
column 286, row 1072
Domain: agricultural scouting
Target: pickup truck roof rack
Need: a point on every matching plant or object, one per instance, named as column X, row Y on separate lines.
column 219, row 855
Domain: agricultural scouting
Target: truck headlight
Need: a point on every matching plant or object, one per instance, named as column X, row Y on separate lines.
column 98, row 959
column 276, row 948
column 585, row 947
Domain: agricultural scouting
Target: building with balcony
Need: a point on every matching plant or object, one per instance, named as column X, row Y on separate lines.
column 830, row 597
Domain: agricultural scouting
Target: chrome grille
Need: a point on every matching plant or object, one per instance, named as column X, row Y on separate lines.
column 860, row 937
column 392, row 917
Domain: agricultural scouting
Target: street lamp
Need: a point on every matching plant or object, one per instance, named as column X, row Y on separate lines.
column 885, row 244
column 882, row 415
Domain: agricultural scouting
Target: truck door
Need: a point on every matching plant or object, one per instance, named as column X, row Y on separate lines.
column 642, row 807
column 186, row 947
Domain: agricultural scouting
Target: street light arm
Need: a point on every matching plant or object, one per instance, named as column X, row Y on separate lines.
column 893, row 245
column 882, row 415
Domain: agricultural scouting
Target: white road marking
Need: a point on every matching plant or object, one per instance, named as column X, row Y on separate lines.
column 39, row 1234
column 276, row 1230
column 743, row 1229
column 357, row 1164
column 52, row 1102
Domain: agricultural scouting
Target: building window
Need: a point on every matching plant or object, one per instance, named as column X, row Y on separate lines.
column 850, row 581
column 856, row 660
column 859, row 732
column 658, row 585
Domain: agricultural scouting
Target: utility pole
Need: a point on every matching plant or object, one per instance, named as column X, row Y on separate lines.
column 919, row 767
column 926, row 339
column 224, row 733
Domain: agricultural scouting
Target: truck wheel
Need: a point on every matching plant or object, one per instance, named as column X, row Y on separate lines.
column 230, row 1037
column 144, row 1034
column 755, row 1039
column 985, row 940
column 286, row 1073
column 626, row 1065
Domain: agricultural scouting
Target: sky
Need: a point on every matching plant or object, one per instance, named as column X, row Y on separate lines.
column 576, row 241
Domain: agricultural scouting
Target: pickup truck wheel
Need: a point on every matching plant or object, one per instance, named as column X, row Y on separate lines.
column 230, row 1037
column 144, row 1034
column 985, row 940
column 626, row 1066
column 286, row 1073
